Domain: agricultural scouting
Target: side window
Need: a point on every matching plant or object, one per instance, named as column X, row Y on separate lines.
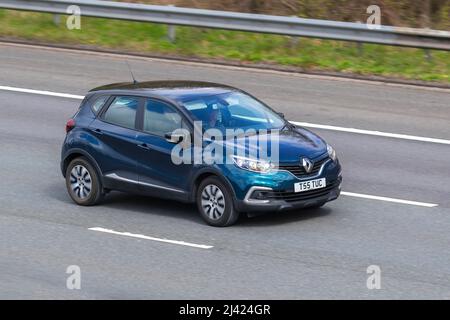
column 122, row 111
column 98, row 104
column 160, row 118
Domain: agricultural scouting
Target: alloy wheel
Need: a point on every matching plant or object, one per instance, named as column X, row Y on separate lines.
column 80, row 182
column 213, row 202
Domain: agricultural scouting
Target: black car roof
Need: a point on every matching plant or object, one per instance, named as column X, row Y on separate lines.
column 173, row 89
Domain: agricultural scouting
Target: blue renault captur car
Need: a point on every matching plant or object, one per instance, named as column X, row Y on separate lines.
column 123, row 138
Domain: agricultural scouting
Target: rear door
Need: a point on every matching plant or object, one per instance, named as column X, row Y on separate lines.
column 157, row 172
column 116, row 129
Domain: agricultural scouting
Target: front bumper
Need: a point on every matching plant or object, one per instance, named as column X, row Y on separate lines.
column 280, row 200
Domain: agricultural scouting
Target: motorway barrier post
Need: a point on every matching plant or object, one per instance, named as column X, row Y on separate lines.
column 171, row 32
column 360, row 47
column 428, row 55
column 57, row 19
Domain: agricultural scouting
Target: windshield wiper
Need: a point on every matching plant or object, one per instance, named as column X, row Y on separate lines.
column 288, row 126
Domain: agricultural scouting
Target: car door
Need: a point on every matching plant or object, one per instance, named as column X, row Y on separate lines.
column 115, row 128
column 157, row 172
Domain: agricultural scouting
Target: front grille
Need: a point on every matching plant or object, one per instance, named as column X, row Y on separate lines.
column 291, row 196
column 300, row 172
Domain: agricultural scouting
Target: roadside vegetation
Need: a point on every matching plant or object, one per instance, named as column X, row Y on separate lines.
column 307, row 54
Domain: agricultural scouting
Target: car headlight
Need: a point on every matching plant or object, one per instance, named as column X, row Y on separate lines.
column 253, row 164
column 331, row 152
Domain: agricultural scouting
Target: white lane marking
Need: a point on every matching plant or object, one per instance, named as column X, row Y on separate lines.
column 367, row 196
column 371, row 133
column 303, row 124
column 141, row 236
column 41, row 92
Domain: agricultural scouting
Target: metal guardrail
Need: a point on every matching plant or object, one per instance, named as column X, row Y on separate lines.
column 290, row 26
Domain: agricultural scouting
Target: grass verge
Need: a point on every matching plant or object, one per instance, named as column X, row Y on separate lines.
column 308, row 54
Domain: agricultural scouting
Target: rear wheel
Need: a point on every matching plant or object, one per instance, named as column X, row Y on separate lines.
column 83, row 183
column 215, row 203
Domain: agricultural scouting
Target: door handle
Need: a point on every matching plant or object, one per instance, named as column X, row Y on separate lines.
column 144, row 146
column 98, row 131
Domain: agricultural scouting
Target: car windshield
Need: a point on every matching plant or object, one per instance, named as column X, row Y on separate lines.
column 232, row 110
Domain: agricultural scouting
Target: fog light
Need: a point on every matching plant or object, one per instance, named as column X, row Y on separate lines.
column 259, row 195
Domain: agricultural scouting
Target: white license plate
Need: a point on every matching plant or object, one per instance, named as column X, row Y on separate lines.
column 310, row 185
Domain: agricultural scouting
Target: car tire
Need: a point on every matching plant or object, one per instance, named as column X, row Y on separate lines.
column 83, row 182
column 215, row 203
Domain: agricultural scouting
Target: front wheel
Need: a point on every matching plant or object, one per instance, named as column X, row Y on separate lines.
column 215, row 203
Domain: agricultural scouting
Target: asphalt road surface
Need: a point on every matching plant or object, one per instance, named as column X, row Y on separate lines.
column 307, row 254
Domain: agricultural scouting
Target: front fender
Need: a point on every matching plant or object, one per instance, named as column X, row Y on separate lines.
column 212, row 171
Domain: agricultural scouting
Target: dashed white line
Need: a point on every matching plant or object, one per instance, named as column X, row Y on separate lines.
column 41, row 92
column 367, row 196
column 303, row 124
column 141, row 236
column 371, row 132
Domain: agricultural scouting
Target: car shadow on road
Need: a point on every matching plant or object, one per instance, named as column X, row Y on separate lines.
column 188, row 211
column 284, row 217
column 170, row 208
column 151, row 205
column 135, row 203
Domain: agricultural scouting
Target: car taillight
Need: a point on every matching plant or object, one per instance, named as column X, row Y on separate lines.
column 70, row 125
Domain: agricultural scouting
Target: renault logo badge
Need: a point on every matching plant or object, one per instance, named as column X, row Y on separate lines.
column 307, row 164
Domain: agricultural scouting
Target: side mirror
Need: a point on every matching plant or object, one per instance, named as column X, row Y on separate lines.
column 176, row 137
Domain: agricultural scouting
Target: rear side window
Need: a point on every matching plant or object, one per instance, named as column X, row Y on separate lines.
column 122, row 112
column 159, row 118
column 99, row 103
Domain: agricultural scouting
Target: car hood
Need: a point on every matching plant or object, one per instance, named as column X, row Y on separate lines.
column 293, row 144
